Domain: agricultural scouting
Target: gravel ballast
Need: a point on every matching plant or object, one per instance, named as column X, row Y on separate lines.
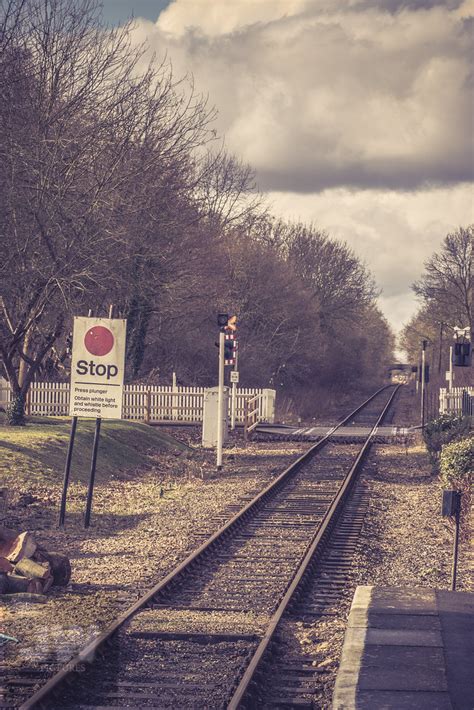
column 404, row 542
column 145, row 523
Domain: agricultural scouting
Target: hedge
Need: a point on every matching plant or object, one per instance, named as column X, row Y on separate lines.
column 456, row 464
column 442, row 431
column 457, row 473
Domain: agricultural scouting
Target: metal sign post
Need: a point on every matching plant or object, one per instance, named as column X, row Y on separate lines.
column 96, row 390
column 457, row 520
column 451, row 508
column 90, row 490
column 67, row 471
column 220, row 401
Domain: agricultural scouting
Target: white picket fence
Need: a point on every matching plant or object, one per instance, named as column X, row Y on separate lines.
column 456, row 401
column 149, row 403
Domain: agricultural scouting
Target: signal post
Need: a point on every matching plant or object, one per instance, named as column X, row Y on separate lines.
column 220, row 400
column 227, row 356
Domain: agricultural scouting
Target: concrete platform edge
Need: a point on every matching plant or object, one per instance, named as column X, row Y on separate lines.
column 344, row 697
column 407, row 648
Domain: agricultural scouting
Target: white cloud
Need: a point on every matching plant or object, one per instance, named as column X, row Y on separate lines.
column 393, row 232
column 317, row 94
column 355, row 113
column 217, row 18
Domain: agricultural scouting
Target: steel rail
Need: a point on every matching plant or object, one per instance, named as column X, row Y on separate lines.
column 328, row 519
column 92, row 647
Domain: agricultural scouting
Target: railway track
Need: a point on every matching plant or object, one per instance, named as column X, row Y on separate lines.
column 298, row 668
column 200, row 636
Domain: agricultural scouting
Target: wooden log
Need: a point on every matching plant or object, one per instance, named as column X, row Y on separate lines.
column 3, row 583
column 20, row 547
column 17, row 583
column 60, row 566
column 31, row 569
column 5, row 565
column 48, row 583
column 36, row 586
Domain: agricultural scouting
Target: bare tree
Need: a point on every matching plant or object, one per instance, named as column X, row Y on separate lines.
column 447, row 284
column 83, row 133
column 446, row 293
column 227, row 193
column 11, row 16
column 336, row 278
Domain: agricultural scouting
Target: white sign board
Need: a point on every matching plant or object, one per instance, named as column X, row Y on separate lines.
column 234, row 376
column 97, row 367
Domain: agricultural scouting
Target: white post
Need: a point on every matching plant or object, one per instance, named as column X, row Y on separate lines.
column 234, row 393
column 174, row 398
column 269, row 396
column 220, row 400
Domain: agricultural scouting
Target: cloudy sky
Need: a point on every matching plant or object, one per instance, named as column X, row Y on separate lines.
column 357, row 115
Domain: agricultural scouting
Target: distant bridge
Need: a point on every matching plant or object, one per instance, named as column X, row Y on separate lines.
column 402, row 367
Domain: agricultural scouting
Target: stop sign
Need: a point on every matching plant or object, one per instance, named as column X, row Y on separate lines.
column 99, row 340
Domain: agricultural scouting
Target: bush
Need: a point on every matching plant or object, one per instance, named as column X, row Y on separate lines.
column 442, row 431
column 457, row 465
column 457, row 473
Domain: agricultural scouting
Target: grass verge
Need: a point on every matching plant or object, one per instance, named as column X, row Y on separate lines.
column 38, row 450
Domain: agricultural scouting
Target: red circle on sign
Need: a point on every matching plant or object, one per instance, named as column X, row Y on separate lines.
column 99, row 340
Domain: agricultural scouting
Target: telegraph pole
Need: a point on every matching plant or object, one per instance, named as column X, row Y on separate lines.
column 423, row 350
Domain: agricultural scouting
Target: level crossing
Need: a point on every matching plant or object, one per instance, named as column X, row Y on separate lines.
column 313, row 433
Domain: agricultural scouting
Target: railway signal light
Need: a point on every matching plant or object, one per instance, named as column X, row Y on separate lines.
column 222, row 319
column 230, row 346
column 226, row 323
column 232, row 324
column 462, row 354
